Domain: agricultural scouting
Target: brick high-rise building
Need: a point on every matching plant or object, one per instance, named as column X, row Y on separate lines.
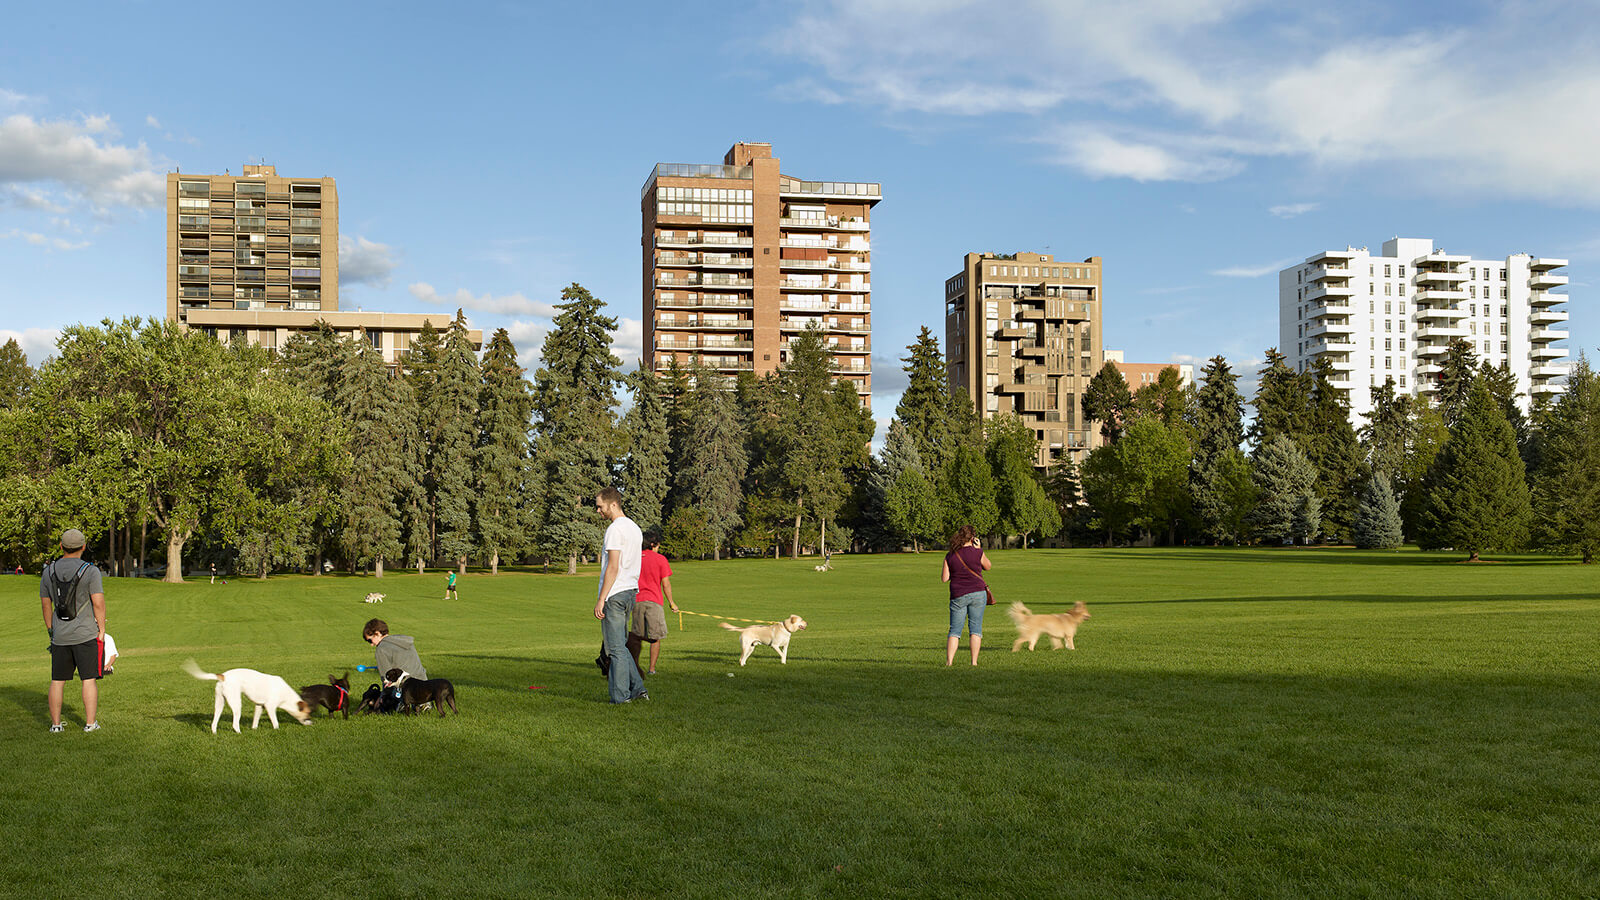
column 739, row 258
column 1022, row 335
column 255, row 257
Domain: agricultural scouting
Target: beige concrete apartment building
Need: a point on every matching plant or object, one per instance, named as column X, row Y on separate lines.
column 1022, row 335
column 255, row 257
column 739, row 258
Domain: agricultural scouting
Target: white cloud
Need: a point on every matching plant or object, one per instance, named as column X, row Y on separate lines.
column 506, row 305
column 528, row 338
column 37, row 343
column 80, row 158
column 12, row 99
column 627, row 342
column 29, row 198
column 42, row 240
column 1253, row 271
column 1195, row 90
column 365, row 262
column 152, row 121
column 1290, row 210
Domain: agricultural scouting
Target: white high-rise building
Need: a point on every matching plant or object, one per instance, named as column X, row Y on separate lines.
column 1394, row 315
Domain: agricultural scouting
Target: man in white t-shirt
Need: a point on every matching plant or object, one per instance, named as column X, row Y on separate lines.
column 619, row 582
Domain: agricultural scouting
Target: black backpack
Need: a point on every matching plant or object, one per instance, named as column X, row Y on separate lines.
column 62, row 595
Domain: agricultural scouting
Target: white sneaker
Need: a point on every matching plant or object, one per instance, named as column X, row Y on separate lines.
column 57, row 728
column 92, row 726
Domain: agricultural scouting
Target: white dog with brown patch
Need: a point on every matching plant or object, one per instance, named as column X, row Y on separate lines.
column 267, row 692
column 775, row 635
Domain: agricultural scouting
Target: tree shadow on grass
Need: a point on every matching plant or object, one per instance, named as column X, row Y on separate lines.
column 1341, row 556
column 1343, row 598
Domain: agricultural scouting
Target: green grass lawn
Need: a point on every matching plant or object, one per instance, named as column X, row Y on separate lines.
column 1233, row 723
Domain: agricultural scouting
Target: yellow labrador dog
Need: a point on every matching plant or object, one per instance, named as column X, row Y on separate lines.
column 775, row 636
column 267, row 692
column 1057, row 626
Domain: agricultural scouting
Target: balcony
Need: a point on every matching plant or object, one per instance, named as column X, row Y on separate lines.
column 693, row 301
column 1547, row 316
column 1441, row 295
column 1548, row 371
column 1445, row 278
column 1545, row 351
column 726, row 261
column 691, row 239
column 1440, row 257
column 1429, row 370
column 1543, row 298
column 1325, row 272
column 792, row 323
column 1344, row 366
column 1329, row 327
column 794, row 285
column 831, row 223
column 851, row 245
column 1440, row 313
column 1540, row 264
column 1332, row 255
column 1441, row 332
column 1543, row 280
column 1545, row 335
column 1329, row 290
column 1546, row 387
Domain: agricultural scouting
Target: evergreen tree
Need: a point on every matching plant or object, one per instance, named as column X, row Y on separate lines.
column 911, row 502
column 1377, row 524
column 645, row 476
column 1390, row 430
column 1330, row 442
column 1477, row 497
column 500, row 460
column 424, row 362
column 1106, row 400
column 1062, row 488
column 574, row 394
column 1428, row 436
column 16, row 376
column 924, row 407
column 1282, row 400
column 813, row 432
column 455, row 436
column 1460, row 366
column 1287, row 507
column 715, row 462
column 1502, row 385
column 1566, row 486
column 370, row 524
column 677, row 399
column 1226, row 496
column 1217, row 415
column 687, row 534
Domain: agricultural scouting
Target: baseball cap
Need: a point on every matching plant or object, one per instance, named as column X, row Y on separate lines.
column 71, row 539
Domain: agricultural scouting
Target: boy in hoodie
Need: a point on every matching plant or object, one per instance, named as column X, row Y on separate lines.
column 393, row 651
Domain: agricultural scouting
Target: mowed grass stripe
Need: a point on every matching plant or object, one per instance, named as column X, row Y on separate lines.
column 1256, row 722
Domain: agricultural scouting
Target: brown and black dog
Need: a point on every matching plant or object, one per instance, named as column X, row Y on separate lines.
column 333, row 696
column 414, row 692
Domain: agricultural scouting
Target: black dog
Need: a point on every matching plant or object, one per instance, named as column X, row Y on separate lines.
column 377, row 699
column 415, row 692
column 333, row 696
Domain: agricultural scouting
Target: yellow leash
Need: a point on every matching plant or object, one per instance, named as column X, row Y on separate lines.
column 683, row 612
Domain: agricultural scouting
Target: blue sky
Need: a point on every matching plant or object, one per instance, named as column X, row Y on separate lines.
column 489, row 154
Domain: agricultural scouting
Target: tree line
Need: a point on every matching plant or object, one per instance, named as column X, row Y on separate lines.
column 165, row 444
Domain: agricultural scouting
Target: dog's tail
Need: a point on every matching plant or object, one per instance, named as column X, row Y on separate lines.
column 730, row 627
column 193, row 669
column 1017, row 611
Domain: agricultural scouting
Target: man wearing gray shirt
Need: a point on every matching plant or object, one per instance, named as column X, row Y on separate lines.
column 76, row 640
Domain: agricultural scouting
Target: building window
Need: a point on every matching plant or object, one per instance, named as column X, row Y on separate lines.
column 1402, row 288
column 376, row 339
column 1402, row 381
column 1386, row 272
column 1388, row 289
column 1386, row 343
column 1402, row 343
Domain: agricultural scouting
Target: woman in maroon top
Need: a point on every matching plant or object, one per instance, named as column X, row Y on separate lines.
column 968, row 593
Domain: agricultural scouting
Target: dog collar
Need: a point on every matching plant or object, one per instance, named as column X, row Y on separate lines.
column 344, row 697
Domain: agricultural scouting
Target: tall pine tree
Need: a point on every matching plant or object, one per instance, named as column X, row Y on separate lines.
column 500, row 460
column 924, row 407
column 715, row 462
column 455, row 436
column 1566, row 486
column 1476, row 492
column 645, row 476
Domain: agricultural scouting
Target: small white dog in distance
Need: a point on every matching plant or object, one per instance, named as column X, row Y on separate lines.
column 374, row 597
column 267, row 692
column 774, row 635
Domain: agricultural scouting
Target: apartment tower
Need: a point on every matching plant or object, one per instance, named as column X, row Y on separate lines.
column 1394, row 315
column 255, row 257
column 740, row 258
column 1022, row 335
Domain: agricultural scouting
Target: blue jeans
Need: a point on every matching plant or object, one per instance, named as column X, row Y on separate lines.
column 624, row 678
column 968, row 609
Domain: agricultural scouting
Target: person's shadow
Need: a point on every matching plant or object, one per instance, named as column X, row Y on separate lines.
column 32, row 701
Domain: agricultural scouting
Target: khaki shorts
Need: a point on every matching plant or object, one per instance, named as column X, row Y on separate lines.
column 649, row 620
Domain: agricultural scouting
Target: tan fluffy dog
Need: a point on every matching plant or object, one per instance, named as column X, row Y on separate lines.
column 1059, row 627
column 774, row 635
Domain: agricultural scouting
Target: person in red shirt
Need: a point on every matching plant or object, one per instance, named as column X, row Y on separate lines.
column 649, row 619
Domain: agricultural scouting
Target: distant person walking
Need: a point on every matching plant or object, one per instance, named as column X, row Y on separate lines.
column 213, row 573
column 649, row 619
column 450, row 586
column 74, row 605
column 619, row 584
column 968, row 591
